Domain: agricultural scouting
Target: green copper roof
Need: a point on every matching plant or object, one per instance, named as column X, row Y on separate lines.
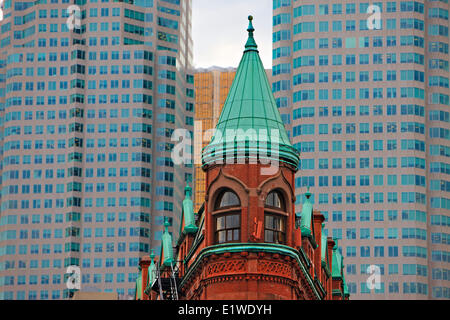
column 166, row 247
column 151, row 269
column 250, row 108
column 188, row 212
column 336, row 263
column 138, row 294
column 307, row 211
column 151, row 275
column 323, row 245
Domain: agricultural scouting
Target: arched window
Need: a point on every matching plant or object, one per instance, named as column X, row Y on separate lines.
column 274, row 200
column 228, row 219
column 275, row 218
column 227, row 199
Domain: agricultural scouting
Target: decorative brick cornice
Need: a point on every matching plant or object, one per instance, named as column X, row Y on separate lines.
column 247, row 277
column 226, row 267
column 298, row 272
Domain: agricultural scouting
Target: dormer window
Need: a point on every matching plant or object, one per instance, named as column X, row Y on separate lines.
column 227, row 212
column 227, row 199
column 273, row 200
column 275, row 218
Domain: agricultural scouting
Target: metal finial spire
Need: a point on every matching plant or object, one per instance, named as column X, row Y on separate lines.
column 166, row 224
column 188, row 190
column 250, row 25
column 336, row 245
column 307, row 194
column 251, row 41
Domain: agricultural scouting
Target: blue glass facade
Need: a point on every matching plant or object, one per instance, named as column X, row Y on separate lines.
column 368, row 110
column 87, row 117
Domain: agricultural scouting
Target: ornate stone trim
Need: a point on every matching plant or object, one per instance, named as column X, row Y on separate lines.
column 231, row 266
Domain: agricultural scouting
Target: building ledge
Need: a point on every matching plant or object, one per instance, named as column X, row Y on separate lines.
column 251, row 247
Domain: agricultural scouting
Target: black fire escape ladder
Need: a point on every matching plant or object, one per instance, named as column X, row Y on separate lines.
column 158, row 275
column 173, row 284
column 166, row 283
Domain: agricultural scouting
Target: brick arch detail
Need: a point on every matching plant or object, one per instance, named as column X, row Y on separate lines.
column 224, row 181
column 220, row 182
column 280, row 183
column 281, row 180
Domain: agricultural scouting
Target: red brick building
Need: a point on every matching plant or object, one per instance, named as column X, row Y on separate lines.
column 247, row 242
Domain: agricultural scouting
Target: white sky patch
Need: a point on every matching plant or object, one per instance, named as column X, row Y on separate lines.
column 1, row 10
column 219, row 31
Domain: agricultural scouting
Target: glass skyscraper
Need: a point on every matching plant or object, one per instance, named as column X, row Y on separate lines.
column 364, row 93
column 87, row 111
column 211, row 90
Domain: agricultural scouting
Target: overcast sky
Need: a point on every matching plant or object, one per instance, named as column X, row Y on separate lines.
column 219, row 31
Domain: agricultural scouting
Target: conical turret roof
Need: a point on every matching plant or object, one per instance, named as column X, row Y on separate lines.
column 250, row 124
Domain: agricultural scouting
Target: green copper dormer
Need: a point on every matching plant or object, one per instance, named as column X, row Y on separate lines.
column 151, row 275
column 151, row 269
column 323, row 246
column 336, row 263
column 250, row 125
column 138, row 292
column 187, row 215
column 307, row 216
column 166, row 255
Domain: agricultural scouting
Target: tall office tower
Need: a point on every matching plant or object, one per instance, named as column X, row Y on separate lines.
column 366, row 98
column 89, row 100
column 211, row 90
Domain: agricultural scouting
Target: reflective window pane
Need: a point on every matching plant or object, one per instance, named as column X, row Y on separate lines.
column 274, row 199
column 228, row 199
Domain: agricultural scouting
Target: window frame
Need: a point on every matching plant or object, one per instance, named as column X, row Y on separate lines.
column 225, row 229
column 276, row 213
column 218, row 212
column 218, row 207
column 275, row 232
